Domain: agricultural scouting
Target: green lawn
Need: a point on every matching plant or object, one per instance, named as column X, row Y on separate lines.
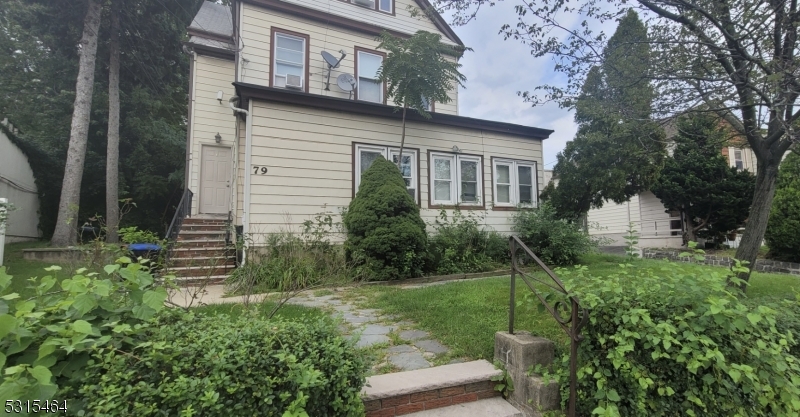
column 22, row 269
column 465, row 315
column 287, row 311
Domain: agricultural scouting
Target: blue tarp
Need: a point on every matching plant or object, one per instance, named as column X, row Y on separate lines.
column 144, row 247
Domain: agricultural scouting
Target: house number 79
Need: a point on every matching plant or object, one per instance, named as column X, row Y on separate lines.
column 259, row 170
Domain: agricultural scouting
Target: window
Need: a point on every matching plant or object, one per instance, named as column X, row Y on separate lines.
column 455, row 179
column 386, row 6
column 737, row 157
column 289, row 60
column 426, row 103
column 369, row 87
column 367, row 154
column 514, row 183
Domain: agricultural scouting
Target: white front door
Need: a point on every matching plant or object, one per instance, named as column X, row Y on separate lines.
column 215, row 179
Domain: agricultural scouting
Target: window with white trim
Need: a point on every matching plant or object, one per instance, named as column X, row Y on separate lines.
column 514, row 183
column 367, row 154
column 737, row 159
column 455, row 179
column 369, row 87
column 289, row 61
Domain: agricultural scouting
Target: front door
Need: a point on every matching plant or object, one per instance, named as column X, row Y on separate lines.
column 215, row 179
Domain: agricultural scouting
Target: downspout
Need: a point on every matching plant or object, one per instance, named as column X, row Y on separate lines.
column 248, row 140
column 190, row 130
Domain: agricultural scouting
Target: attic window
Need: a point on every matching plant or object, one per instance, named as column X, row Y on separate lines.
column 289, row 60
column 385, row 6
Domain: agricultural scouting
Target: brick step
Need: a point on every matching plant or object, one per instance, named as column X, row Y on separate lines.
column 201, row 234
column 430, row 388
column 194, row 220
column 218, row 259
column 194, row 227
column 218, row 244
column 200, row 271
column 202, row 252
column 490, row 407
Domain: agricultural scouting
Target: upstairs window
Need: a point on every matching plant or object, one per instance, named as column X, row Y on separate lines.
column 369, row 87
column 737, row 159
column 289, row 60
column 514, row 183
column 385, row 6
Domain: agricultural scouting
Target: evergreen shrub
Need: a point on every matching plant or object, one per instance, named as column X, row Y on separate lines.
column 219, row 366
column 386, row 236
column 783, row 229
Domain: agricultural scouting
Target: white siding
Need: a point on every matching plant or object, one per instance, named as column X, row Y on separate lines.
column 18, row 186
column 209, row 116
column 256, row 31
column 309, row 153
column 612, row 220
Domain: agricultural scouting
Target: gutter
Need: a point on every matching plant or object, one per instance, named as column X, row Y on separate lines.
column 248, row 141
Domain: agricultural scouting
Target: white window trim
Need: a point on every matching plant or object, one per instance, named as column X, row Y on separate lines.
column 391, row 6
column 455, row 179
column 514, row 178
column 385, row 151
column 302, row 60
column 359, row 76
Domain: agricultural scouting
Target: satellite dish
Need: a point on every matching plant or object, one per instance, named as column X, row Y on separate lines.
column 332, row 63
column 330, row 59
column 346, row 82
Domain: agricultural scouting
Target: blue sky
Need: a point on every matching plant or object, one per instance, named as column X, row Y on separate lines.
column 497, row 69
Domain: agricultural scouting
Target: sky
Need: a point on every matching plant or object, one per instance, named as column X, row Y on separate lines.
column 498, row 69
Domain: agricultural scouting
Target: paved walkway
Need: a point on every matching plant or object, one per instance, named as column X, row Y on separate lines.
column 397, row 344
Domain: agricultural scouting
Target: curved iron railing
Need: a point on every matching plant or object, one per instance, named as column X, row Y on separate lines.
column 578, row 316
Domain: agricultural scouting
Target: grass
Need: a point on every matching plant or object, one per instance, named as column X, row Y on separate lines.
column 22, row 269
column 465, row 315
column 287, row 311
column 731, row 253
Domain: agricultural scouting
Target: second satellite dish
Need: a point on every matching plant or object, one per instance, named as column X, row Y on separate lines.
column 346, row 82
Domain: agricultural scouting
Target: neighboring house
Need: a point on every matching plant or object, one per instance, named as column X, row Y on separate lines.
column 17, row 184
column 656, row 226
column 299, row 146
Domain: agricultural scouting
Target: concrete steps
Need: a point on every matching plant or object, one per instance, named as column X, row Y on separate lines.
column 403, row 393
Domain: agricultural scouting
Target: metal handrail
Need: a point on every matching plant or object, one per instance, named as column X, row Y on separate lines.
column 183, row 210
column 572, row 325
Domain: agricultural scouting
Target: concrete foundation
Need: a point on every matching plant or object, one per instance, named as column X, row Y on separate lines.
column 520, row 352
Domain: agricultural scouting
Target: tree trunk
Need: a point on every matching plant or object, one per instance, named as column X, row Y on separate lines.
column 112, row 153
column 689, row 234
column 759, row 215
column 66, row 232
column 402, row 142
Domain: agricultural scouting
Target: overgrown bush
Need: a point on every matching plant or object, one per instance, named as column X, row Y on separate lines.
column 219, row 366
column 46, row 341
column 459, row 245
column 134, row 235
column 292, row 261
column 783, row 229
column 670, row 342
column 555, row 241
column 385, row 233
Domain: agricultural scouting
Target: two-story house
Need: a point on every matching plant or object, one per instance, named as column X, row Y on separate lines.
column 277, row 133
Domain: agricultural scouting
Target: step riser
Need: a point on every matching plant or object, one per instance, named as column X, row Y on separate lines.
column 203, row 253
column 191, row 221
column 192, row 244
column 428, row 400
column 202, row 228
column 202, row 272
column 205, row 236
column 219, row 262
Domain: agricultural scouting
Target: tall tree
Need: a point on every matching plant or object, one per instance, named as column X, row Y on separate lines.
column 737, row 57
column 417, row 74
column 711, row 195
column 66, row 232
column 112, row 149
column 618, row 150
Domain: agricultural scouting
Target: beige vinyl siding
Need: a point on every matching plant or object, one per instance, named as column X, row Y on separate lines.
column 309, row 153
column 209, row 116
column 402, row 21
column 612, row 220
column 256, row 31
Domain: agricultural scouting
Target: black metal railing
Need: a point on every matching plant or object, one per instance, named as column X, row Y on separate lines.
column 183, row 211
column 578, row 316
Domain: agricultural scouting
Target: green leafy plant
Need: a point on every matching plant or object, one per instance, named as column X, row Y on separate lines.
column 555, row 241
column 783, row 229
column 46, row 341
column 505, row 384
column 631, row 240
column 678, row 341
column 459, row 244
column 134, row 235
column 386, row 236
column 220, row 366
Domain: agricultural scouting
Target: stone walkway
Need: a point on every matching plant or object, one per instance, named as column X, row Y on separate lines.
column 397, row 345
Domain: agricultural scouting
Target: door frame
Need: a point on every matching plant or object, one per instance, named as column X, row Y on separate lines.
column 231, row 176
